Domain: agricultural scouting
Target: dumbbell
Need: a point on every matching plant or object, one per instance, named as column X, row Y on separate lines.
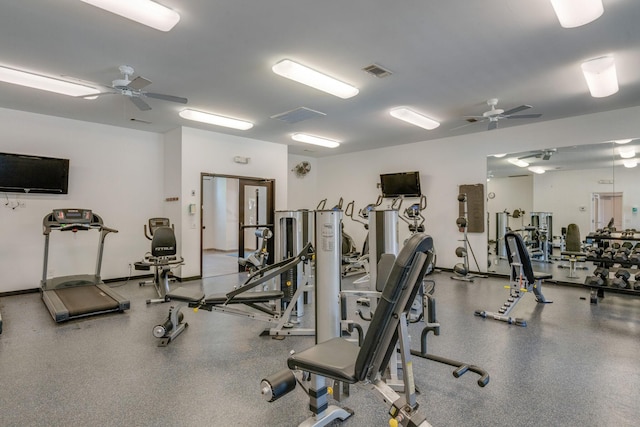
column 622, row 279
column 622, row 255
column 608, row 253
column 599, row 277
column 595, row 253
column 634, row 258
column 636, row 286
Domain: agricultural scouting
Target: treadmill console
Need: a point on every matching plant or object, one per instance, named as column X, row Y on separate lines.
column 71, row 220
column 73, row 216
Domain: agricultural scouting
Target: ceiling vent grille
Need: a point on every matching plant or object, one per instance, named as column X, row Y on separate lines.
column 377, row 71
column 298, row 115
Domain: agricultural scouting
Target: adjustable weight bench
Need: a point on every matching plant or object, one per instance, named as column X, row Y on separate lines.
column 522, row 279
column 243, row 301
column 342, row 361
column 174, row 325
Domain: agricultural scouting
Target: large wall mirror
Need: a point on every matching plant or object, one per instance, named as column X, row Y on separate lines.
column 538, row 193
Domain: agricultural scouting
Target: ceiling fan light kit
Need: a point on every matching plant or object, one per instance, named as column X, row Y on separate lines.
column 575, row 13
column 145, row 12
column 315, row 140
column 214, row 119
column 600, row 74
column 307, row 76
column 50, row 84
column 407, row 115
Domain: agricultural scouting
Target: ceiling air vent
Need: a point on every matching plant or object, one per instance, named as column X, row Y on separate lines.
column 377, row 71
column 298, row 115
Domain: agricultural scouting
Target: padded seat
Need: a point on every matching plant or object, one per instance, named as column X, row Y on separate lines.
column 542, row 276
column 338, row 358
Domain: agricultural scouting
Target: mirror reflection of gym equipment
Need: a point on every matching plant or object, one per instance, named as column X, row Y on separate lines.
column 582, row 185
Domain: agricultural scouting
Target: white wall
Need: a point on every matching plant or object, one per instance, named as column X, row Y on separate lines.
column 210, row 152
column 446, row 163
column 303, row 191
column 114, row 171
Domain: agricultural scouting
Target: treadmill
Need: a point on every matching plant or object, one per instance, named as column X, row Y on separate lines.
column 72, row 297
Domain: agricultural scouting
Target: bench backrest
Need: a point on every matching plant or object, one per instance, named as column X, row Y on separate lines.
column 400, row 290
column 517, row 252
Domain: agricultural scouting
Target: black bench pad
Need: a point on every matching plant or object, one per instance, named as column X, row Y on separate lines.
column 542, row 276
column 335, row 358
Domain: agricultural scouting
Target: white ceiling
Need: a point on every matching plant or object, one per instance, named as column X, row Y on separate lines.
column 447, row 58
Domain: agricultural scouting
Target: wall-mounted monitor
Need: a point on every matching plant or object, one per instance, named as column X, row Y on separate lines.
column 33, row 174
column 405, row 184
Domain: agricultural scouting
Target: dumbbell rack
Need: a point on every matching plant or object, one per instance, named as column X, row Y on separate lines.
column 614, row 263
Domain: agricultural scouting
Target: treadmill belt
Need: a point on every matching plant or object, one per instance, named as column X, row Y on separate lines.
column 81, row 300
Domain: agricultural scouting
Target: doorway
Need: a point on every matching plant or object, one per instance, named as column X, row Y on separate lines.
column 606, row 210
column 233, row 208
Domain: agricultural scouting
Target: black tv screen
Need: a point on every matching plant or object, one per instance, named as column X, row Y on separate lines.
column 33, row 174
column 400, row 184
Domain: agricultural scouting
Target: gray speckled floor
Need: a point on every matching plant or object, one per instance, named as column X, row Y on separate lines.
column 575, row 364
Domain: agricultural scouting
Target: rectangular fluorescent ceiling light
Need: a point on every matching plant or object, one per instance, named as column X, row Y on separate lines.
column 37, row 81
column 145, row 12
column 307, row 76
column 518, row 162
column 574, row 13
column 601, row 77
column 416, row 119
column 214, row 119
column 315, row 140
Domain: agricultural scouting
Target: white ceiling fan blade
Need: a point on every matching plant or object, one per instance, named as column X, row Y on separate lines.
column 138, row 102
column 163, row 97
column 524, row 116
column 138, row 83
column 468, row 124
column 516, row 110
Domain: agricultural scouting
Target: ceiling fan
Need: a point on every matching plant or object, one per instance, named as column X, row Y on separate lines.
column 133, row 89
column 496, row 114
column 540, row 154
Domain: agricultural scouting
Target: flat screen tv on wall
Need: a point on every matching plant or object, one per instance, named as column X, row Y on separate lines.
column 33, row 174
column 405, row 184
